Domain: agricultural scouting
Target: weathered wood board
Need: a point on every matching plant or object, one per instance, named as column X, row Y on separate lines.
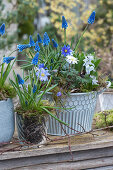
column 88, row 152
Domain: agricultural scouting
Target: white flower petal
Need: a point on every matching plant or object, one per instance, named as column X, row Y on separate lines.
column 71, row 60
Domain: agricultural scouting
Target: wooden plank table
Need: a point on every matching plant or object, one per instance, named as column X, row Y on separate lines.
column 89, row 151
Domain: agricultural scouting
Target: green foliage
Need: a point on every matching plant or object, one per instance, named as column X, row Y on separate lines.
column 67, row 76
column 4, row 73
column 6, row 91
column 32, row 102
column 104, row 119
column 72, row 70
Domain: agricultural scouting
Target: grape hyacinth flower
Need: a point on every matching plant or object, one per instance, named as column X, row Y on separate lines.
column 46, row 39
column 2, row 29
column 21, row 47
column 64, row 23
column 91, row 19
column 66, row 50
column 59, row 94
column 35, row 59
column 26, row 103
column 52, row 61
column 34, row 88
column 7, row 60
column 39, row 38
column 37, row 48
column 31, row 41
column 20, row 80
column 42, row 74
column 42, row 66
column 71, row 60
column 54, row 43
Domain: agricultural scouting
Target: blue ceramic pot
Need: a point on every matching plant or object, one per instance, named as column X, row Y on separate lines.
column 7, row 121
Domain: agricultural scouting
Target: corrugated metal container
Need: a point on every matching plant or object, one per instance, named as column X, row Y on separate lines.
column 79, row 117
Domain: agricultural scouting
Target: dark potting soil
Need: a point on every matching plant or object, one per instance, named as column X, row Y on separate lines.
column 33, row 129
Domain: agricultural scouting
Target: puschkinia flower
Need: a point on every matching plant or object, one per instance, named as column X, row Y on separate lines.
column 42, row 74
column 108, row 84
column 39, row 38
column 88, row 63
column 59, row 94
column 42, row 66
column 94, row 80
column 89, row 69
column 91, row 19
column 54, row 43
column 71, row 60
column 64, row 23
column 88, row 60
column 2, row 29
column 31, row 41
column 21, row 47
column 37, row 48
column 66, row 50
column 20, row 80
column 46, row 39
column 35, row 59
column 34, row 88
column 7, row 60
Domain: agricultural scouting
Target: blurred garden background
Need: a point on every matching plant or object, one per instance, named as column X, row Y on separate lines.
column 29, row 17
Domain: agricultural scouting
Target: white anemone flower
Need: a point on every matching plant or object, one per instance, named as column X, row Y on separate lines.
column 94, row 80
column 71, row 60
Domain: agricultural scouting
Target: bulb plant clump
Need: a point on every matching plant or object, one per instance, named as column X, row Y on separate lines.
column 71, row 70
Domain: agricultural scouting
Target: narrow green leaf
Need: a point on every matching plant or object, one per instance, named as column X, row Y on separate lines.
column 53, row 116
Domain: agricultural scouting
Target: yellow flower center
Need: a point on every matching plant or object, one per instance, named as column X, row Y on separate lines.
column 65, row 51
column 72, row 59
column 42, row 74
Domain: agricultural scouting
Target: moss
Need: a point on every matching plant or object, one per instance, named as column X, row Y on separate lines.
column 104, row 119
column 7, row 91
column 36, row 110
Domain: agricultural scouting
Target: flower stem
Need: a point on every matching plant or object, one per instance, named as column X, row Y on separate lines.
column 69, row 67
column 81, row 38
column 12, row 52
column 65, row 36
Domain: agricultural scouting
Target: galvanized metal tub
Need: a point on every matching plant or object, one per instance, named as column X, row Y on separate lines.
column 80, row 117
column 7, row 121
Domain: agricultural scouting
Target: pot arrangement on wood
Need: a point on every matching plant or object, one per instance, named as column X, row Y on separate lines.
column 58, row 92
column 76, row 76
